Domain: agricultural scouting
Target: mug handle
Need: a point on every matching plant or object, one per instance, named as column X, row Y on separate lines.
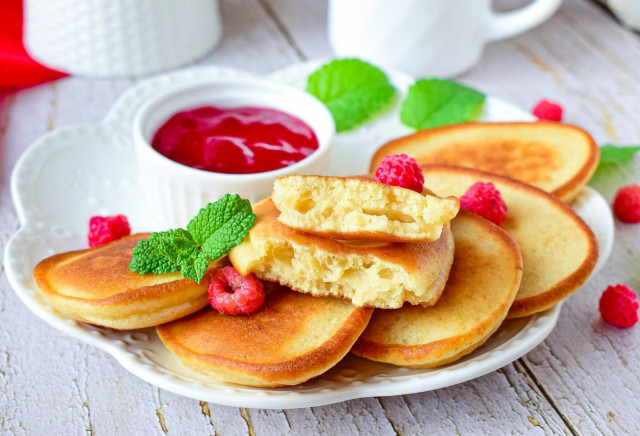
column 507, row 24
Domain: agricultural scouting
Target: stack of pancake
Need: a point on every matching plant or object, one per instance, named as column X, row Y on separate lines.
column 353, row 265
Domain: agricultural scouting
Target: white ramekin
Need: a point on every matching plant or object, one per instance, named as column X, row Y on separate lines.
column 176, row 192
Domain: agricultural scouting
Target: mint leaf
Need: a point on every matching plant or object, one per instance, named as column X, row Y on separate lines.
column 610, row 153
column 223, row 220
column 439, row 102
column 159, row 254
column 216, row 229
column 352, row 90
column 194, row 267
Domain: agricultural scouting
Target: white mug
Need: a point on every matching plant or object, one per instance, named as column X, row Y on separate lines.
column 627, row 11
column 426, row 37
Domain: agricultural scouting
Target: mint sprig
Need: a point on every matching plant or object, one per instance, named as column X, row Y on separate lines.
column 440, row 102
column 215, row 230
column 610, row 153
column 353, row 91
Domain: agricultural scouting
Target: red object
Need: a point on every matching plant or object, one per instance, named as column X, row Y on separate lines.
column 17, row 67
column 626, row 205
column 485, row 200
column 619, row 306
column 103, row 229
column 234, row 294
column 400, row 170
column 235, row 140
column 547, row 110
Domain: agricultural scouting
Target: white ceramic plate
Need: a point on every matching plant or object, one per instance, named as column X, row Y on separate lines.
column 77, row 172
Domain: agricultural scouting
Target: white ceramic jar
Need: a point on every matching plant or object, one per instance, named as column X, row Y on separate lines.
column 115, row 38
column 175, row 192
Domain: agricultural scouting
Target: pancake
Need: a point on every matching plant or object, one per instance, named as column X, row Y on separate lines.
column 376, row 274
column 97, row 287
column 291, row 339
column 484, row 280
column 557, row 158
column 558, row 248
column 357, row 209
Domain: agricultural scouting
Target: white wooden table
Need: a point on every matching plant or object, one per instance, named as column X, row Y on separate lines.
column 584, row 379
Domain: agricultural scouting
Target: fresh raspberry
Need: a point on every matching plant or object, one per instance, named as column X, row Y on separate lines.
column 547, row 110
column 400, row 170
column 626, row 205
column 103, row 229
column 234, row 294
column 484, row 199
column 619, row 306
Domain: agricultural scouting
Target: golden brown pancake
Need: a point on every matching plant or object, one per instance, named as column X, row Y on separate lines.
column 558, row 248
column 376, row 274
column 96, row 286
column 484, row 280
column 557, row 158
column 356, row 209
column 291, row 339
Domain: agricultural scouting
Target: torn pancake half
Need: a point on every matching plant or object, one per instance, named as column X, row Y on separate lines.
column 377, row 274
column 357, row 209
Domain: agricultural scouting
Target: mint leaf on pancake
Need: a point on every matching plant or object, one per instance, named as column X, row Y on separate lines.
column 440, row 102
column 222, row 225
column 194, row 267
column 159, row 254
column 216, row 229
column 352, row 90
column 610, row 153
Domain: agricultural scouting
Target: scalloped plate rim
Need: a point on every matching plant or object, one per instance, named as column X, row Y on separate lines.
column 530, row 335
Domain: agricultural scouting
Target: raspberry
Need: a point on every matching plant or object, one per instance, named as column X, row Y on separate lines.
column 626, row 205
column 103, row 229
column 547, row 110
column 619, row 306
column 400, row 170
column 234, row 294
column 484, row 199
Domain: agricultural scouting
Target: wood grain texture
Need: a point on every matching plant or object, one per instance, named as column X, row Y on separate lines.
column 581, row 380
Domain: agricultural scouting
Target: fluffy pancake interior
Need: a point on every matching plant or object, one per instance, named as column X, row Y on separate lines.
column 483, row 282
column 555, row 157
column 357, row 208
column 291, row 338
column 558, row 249
column 380, row 276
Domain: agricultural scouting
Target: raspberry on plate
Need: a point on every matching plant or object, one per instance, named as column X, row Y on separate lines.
column 485, row 200
column 400, row 170
column 619, row 306
column 547, row 110
column 626, row 205
column 234, row 294
column 103, row 229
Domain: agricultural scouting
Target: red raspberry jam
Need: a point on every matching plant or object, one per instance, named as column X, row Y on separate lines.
column 239, row 140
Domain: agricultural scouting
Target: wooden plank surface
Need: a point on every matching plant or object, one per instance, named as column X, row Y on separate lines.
column 581, row 380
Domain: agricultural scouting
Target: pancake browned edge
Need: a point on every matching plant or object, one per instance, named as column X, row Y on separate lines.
column 558, row 158
column 97, row 287
column 559, row 250
column 291, row 339
column 376, row 274
column 360, row 209
column 484, row 279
